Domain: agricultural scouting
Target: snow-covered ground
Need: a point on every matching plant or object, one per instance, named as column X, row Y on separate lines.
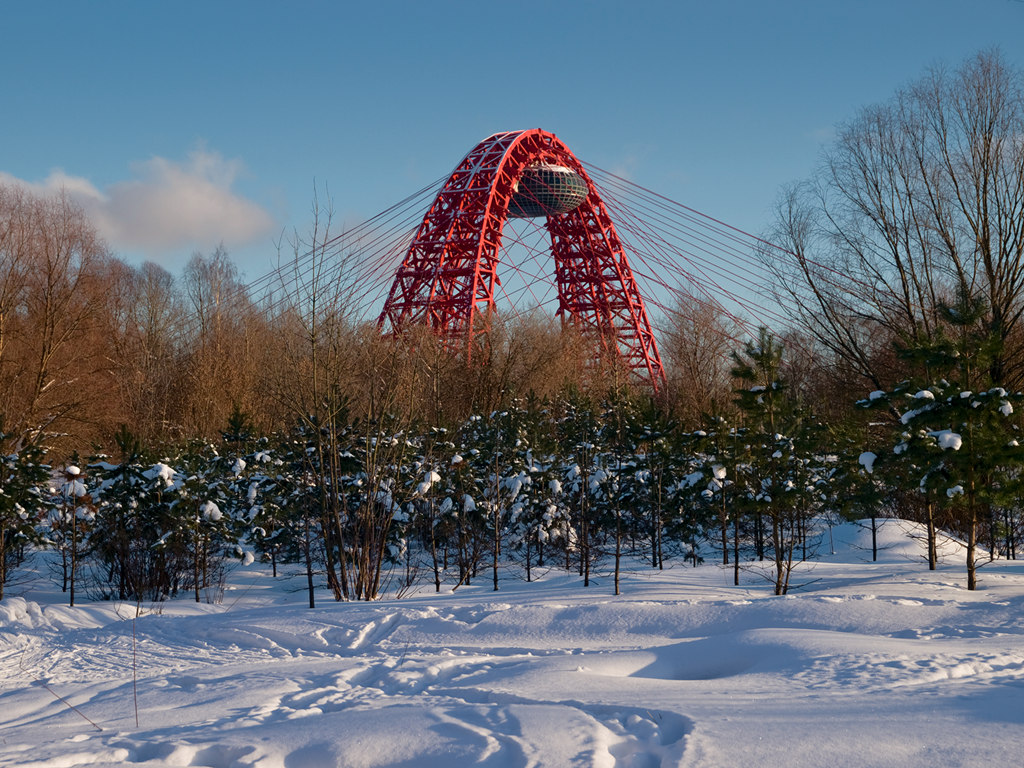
column 865, row 664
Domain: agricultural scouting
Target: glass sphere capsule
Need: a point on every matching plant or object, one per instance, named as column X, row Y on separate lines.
column 546, row 189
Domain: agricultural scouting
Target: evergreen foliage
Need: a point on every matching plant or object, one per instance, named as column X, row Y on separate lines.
column 956, row 440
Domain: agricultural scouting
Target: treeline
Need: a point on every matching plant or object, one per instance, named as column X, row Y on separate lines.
column 368, row 506
column 89, row 343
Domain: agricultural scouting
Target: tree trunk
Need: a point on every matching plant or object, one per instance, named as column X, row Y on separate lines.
column 496, row 545
column 618, row 547
column 309, row 566
column 74, row 553
column 779, row 548
column 932, row 554
column 736, row 549
column 724, row 520
column 433, row 555
column 972, row 542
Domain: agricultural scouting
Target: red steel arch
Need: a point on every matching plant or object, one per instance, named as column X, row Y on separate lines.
column 448, row 275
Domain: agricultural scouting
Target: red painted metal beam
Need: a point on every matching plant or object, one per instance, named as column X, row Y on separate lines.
column 448, row 276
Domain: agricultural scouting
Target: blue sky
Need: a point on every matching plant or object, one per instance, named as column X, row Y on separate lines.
column 182, row 124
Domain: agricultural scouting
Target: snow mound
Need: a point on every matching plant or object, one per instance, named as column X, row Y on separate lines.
column 19, row 612
column 898, row 541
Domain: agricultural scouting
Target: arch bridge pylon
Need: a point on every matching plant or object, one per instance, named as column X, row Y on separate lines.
column 449, row 273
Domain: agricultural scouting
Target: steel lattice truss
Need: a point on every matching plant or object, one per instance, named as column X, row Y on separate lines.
column 447, row 279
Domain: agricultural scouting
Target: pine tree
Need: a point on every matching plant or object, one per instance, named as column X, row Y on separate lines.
column 780, row 475
column 648, row 490
column 72, row 517
column 580, row 433
column 270, row 528
column 709, row 491
column 23, row 479
column 617, row 480
column 430, row 501
column 541, row 513
column 468, row 473
column 500, row 461
column 117, row 493
column 957, row 439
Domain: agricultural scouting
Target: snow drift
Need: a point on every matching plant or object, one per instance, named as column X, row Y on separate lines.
column 865, row 664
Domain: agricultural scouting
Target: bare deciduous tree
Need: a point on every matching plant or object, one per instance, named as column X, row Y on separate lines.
column 696, row 344
column 52, row 265
column 223, row 334
column 145, row 317
column 919, row 199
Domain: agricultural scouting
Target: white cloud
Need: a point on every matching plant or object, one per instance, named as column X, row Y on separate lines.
column 166, row 206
